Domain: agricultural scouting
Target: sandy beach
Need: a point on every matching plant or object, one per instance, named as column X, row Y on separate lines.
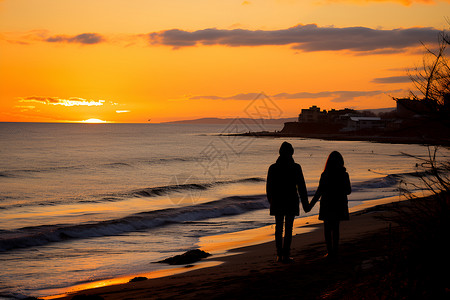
column 251, row 271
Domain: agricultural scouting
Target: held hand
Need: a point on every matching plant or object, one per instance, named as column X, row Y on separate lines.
column 311, row 205
column 307, row 208
column 314, row 201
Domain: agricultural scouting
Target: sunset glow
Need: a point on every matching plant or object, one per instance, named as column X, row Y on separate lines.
column 126, row 62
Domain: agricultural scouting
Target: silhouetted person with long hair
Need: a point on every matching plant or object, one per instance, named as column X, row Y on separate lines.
column 285, row 183
column 334, row 186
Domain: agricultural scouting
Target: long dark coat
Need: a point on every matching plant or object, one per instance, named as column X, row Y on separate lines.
column 285, row 183
column 334, row 186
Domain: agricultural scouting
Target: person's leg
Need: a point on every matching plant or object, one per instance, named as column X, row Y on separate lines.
column 328, row 239
column 279, row 220
column 335, row 234
column 289, row 222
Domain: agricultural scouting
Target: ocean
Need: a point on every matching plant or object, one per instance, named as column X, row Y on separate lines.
column 84, row 202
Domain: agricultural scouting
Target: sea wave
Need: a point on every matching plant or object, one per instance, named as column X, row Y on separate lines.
column 42, row 235
column 122, row 195
column 163, row 190
column 14, row 173
column 234, row 205
column 376, row 183
column 118, row 165
column 379, row 182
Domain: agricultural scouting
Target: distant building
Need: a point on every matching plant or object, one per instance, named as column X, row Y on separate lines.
column 342, row 115
column 364, row 123
column 315, row 115
column 312, row 115
column 409, row 108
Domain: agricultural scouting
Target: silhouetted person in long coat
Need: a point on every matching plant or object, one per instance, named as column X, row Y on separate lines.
column 285, row 183
column 334, row 186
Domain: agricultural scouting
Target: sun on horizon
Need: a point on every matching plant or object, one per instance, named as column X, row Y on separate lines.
column 94, row 121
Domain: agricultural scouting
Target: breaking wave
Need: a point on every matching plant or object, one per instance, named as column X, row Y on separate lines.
column 42, row 235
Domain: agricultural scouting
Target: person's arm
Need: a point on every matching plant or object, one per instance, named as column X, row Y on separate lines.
column 269, row 184
column 317, row 195
column 348, row 187
column 301, row 187
column 316, row 198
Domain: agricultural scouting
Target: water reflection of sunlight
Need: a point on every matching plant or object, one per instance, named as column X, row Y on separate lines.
column 64, row 292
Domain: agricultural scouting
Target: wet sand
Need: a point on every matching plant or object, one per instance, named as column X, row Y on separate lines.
column 249, row 270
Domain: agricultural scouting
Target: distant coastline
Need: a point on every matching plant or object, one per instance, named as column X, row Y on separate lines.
column 423, row 132
column 281, row 121
column 225, row 121
column 408, row 129
column 403, row 125
column 421, row 140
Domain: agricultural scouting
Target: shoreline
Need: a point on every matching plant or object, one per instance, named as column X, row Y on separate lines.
column 417, row 140
column 233, row 252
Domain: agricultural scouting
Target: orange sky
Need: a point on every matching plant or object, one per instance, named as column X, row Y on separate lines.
column 130, row 61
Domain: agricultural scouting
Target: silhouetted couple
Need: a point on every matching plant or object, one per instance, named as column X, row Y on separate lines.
column 285, row 184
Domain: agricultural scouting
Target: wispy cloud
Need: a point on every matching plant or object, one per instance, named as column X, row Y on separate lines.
column 38, row 36
column 72, row 101
column 403, row 2
column 335, row 96
column 84, row 38
column 25, row 108
column 392, row 79
column 302, row 37
column 247, row 96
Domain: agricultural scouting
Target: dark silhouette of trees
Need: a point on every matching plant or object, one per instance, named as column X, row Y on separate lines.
column 432, row 79
column 424, row 225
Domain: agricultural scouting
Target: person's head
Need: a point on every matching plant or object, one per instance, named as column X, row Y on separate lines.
column 286, row 149
column 335, row 162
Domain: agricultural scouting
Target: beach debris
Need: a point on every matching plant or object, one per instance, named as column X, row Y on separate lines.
column 139, row 278
column 188, row 257
column 370, row 263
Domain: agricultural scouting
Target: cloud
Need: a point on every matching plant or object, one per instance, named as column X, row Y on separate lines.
column 392, row 79
column 72, row 101
column 16, row 42
column 25, row 108
column 33, row 36
column 122, row 111
column 306, row 38
column 336, row 96
column 248, row 96
column 84, row 38
column 302, row 37
column 404, row 2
